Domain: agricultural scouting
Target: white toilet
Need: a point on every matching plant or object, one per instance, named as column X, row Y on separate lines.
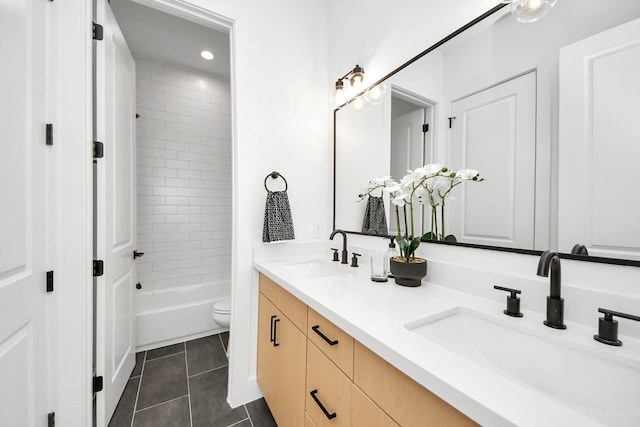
column 222, row 312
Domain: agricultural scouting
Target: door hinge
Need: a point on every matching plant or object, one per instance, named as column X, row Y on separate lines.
column 98, row 31
column 425, row 128
column 98, row 150
column 98, row 267
column 50, row 281
column 48, row 139
column 51, row 419
column 98, row 384
column 451, row 119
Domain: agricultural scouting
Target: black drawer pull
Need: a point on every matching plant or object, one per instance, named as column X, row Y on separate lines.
column 316, row 329
column 275, row 332
column 326, row 413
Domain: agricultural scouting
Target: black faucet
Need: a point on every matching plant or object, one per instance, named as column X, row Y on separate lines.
column 555, row 304
column 579, row 249
column 345, row 254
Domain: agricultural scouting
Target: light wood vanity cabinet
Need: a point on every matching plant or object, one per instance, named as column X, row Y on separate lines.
column 282, row 348
column 341, row 375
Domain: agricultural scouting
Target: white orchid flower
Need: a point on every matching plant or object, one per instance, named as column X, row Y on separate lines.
column 399, row 200
column 467, row 174
column 433, row 168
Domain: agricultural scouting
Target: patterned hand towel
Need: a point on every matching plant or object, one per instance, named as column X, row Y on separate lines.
column 278, row 224
column 375, row 220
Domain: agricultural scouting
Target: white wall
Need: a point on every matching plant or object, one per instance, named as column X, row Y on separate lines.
column 280, row 100
column 183, row 176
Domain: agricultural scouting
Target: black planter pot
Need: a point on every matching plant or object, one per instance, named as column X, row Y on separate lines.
column 408, row 273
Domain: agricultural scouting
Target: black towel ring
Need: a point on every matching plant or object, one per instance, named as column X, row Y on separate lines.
column 275, row 175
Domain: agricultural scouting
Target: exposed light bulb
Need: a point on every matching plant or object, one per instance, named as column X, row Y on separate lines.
column 531, row 10
column 376, row 94
column 208, row 55
column 358, row 104
column 533, row 5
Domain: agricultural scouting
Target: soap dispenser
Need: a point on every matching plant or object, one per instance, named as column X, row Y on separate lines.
column 391, row 252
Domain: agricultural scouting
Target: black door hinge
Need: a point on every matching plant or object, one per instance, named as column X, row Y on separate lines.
column 451, row 119
column 425, row 128
column 98, row 150
column 51, row 419
column 48, row 138
column 98, row 31
column 98, row 384
column 98, row 267
column 50, row 281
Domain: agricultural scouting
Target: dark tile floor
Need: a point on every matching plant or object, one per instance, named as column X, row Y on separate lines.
column 185, row 385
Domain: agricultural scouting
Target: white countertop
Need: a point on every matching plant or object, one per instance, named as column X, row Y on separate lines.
column 375, row 314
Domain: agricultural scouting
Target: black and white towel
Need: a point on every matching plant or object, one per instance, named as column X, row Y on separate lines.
column 278, row 224
column 375, row 220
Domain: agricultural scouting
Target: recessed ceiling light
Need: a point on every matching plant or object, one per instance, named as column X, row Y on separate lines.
column 206, row 55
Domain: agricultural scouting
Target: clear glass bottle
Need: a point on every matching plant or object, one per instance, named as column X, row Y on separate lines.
column 391, row 252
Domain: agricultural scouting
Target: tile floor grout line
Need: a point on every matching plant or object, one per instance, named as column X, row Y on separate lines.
column 248, row 415
column 165, row 356
column 206, row 372
column 162, row 403
column 135, row 405
column 241, row 421
column 186, row 365
column 222, row 343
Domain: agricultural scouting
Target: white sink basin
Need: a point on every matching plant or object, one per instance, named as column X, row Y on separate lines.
column 318, row 268
column 596, row 383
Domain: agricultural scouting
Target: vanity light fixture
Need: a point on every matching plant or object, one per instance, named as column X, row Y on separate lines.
column 529, row 10
column 355, row 77
column 206, row 54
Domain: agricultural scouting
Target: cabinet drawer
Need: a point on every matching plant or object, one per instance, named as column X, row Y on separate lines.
column 290, row 306
column 364, row 412
column 406, row 401
column 336, row 344
column 327, row 387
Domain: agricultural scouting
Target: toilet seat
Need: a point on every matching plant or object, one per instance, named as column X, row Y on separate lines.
column 222, row 306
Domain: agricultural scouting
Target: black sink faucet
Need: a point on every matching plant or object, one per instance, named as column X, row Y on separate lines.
column 550, row 260
column 345, row 254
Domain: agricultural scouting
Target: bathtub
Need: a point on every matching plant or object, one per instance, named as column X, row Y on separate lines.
column 173, row 315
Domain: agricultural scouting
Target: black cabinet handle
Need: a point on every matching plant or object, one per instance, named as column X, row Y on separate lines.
column 316, row 329
column 326, row 413
column 137, row 254
column 271, row 335
column 275, row 331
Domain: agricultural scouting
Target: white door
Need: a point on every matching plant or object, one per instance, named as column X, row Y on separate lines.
column 494, row 131
column 407, row 153
column 25, row 365
column 600, row 143
column 115, row 212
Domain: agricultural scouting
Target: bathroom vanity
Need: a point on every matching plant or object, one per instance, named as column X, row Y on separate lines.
column 346, row 383
column 432, row 355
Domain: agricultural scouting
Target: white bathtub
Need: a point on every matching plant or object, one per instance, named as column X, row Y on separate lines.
column 178, row 314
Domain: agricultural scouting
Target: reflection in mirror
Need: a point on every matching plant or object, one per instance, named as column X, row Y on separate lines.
column 545, row 111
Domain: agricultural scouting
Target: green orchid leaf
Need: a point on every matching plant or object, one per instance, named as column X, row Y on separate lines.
column 450, row 238
column 429, row 236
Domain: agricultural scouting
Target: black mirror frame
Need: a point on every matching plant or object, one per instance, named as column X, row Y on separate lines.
column 602, row 260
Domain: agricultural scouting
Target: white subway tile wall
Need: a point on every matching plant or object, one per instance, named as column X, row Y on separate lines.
column 184, row 176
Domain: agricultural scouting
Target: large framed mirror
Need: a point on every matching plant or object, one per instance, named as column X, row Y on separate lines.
column 545, row 111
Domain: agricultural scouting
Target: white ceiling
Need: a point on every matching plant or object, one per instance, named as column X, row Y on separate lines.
column 156, row 35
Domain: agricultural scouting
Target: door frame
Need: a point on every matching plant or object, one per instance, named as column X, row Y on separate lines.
column 223, row 16
column 71, row 112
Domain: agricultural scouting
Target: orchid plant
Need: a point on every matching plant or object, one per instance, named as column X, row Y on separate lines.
column 430, row 184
